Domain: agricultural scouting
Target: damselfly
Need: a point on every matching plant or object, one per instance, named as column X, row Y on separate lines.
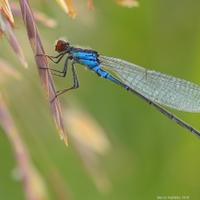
column 151, row 86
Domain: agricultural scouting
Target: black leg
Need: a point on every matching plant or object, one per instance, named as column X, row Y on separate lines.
column 62, row 73
column 75, row 79
column 59, row 56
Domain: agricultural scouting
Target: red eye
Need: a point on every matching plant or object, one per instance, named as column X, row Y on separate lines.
column 60, row 45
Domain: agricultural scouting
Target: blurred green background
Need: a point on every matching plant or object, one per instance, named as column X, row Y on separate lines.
column 150, row 156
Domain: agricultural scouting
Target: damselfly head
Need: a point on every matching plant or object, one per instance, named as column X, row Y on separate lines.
column 61, row 45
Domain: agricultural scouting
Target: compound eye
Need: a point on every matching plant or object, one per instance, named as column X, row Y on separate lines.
column 61, row 45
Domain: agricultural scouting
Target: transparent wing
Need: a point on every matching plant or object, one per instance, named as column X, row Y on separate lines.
column 166, row 90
